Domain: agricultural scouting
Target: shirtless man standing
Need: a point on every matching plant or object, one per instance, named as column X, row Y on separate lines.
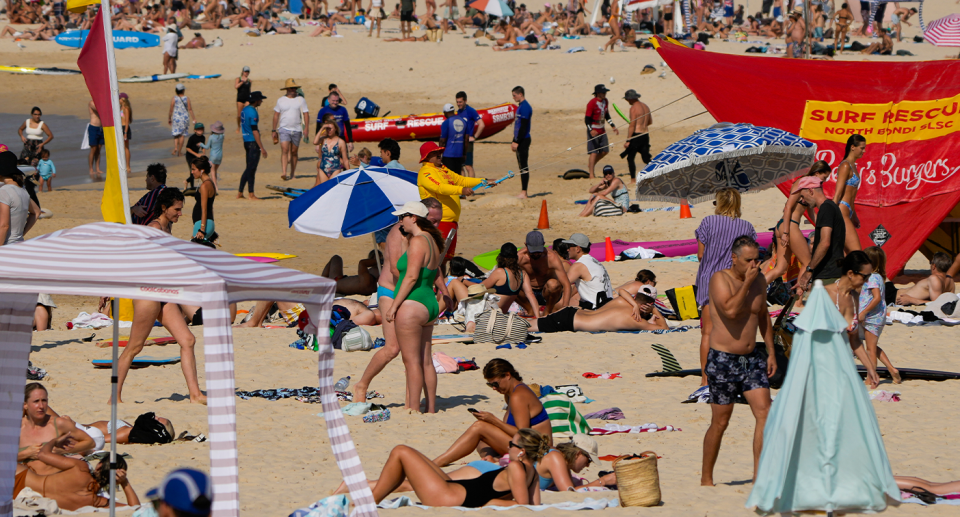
column 386, row 284
column 547, row 276
column 933, row 286
column 734, row 364
column 638, row 132
column 796, row 33
column 95, row 140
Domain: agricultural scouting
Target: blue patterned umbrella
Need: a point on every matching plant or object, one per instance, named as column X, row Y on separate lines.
column 742, row 156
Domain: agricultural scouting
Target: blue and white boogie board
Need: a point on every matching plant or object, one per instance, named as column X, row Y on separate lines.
column 121, row 39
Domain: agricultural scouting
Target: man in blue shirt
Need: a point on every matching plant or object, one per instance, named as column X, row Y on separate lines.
column 453, row 134
column 340, row 114
column 521, row 137
column 252, row 145
column 474, row 130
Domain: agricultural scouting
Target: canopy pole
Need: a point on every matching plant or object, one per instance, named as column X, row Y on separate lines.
column 376, row 254
column 113, row 407
column 807, row 47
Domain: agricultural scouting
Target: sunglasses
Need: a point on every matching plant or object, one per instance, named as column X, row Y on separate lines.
column 512, row 445
column 494, row 385
column 401, row 216
column 866, row 276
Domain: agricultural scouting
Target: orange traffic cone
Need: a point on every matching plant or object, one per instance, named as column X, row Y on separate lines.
column 610, row 257
column 544, row 223
column 685, row 210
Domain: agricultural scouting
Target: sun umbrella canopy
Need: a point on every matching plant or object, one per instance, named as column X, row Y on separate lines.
column 741, row 156
column 497, row 8
column 354, row 203
column 944, row 32
column 822, row 448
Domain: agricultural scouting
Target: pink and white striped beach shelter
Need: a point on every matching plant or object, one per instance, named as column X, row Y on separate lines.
column 105, row 259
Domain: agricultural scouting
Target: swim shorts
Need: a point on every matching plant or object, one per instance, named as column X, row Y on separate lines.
column 538, row 294
column 560, row 321
column 287, row 135
column 94, row 135
column 729, row 375
column 598, row 144
column 468, row 158
column 406, row 16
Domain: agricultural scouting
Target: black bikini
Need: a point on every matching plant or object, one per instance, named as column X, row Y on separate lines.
column 480, row 489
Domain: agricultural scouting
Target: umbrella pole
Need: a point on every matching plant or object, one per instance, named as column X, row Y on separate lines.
column 376, row 254
column 113, row 408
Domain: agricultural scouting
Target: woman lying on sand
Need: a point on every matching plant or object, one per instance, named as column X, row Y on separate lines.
column 41, row 425
column 910, row 483
column 75, row 486
column 624, row 312
column 490, row 436
column 434, row 487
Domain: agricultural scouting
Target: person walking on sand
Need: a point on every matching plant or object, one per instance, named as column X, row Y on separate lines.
column 170, row 40
column 179, row 118
column 598, row 112
column 242, row 84
column 376, row 14
column 95, row 141
column 828, row 236
column 252, row 143
column 848, row 183
column 521, row 137
column 638, row 133
column 35, row 134
column 288, row 125
column 734, row 364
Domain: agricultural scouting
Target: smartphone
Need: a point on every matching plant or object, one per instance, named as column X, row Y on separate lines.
column 470, row 409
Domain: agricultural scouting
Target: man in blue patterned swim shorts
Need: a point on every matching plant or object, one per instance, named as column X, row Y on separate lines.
column 734, row 364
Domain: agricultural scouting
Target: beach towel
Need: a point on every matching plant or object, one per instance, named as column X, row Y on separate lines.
column 587, row 504
column 907, row 497
column 565, row 420
column 613, row 413
column 681, row 328
column 333, row 506
column 640, row 253
column 574, row 50
column 631, row 429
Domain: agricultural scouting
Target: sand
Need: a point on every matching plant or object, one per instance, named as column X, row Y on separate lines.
column 285, row 458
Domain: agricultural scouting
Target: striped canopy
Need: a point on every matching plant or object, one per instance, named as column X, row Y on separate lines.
column 353, row 203
column 944, row 32
column 106, row 259
column 497, row 8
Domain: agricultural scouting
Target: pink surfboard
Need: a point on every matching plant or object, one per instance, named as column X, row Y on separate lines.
column 668, row 248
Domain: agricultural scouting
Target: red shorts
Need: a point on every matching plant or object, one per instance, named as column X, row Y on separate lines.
column 445, row 228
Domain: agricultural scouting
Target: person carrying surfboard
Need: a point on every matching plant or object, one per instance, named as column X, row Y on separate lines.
column 638, row 132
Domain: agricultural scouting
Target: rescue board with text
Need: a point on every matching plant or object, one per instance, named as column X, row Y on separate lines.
column 427, row 126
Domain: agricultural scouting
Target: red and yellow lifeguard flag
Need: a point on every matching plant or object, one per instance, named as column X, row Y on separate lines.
column 99, row 69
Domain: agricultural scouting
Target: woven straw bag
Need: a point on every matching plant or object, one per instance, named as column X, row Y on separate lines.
column 638, row 480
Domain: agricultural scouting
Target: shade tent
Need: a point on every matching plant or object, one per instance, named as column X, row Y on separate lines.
column 104, row 259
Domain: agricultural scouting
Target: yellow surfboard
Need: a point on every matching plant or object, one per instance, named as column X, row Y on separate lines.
column 277, row 256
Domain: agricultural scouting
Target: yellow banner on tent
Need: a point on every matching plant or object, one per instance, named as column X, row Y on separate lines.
column 79, row 6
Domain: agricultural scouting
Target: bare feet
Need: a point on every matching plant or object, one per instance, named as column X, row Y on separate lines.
column 254, row 198
column 895, row 375
column 359, row 392
column 706, row 482
column 342, row 489
column 523, row 195
column 240, row 195
column 199, row 399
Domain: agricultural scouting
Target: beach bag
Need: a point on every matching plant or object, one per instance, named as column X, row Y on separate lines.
column 146, row 429
column 357, row 339
column 684, row 302
column 638, row 480
column 494, row 326
column 435, row 35
column 604, row 208
column 565, row 420
column 778, row 293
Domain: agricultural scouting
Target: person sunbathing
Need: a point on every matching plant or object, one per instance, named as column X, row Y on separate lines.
column 624, row 312
column 124, row 428
column 41, row 425
column 359, row 313
column 775, row 30
column 933, row 286
column 363, row 283
column 489, row 435
column 411, row 39
column 644, row 277
column 910, row 483
column 196, row 42
column 73, row 485
column 573, row 456
column 516, row 481
column 508, row 281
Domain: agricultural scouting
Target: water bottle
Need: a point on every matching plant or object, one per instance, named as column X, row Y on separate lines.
column 342, row 384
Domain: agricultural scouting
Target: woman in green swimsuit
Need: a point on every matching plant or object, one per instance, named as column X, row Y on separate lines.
column 415, row 306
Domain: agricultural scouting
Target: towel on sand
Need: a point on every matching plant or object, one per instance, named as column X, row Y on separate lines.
column 587, row 504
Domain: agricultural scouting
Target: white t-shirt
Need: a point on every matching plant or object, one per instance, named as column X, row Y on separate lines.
column 19, row 202
column 290, row 110
column 170, row 44
column 599, row 280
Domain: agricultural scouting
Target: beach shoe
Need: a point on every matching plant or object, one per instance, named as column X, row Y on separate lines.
column 532, row 339
column 521, row 345
column 377, row 416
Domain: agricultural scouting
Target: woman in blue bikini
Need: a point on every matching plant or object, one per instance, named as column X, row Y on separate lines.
column 848, row 183
column 490, row 436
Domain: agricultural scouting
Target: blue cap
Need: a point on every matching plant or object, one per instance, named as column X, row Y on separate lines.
column 186, row 490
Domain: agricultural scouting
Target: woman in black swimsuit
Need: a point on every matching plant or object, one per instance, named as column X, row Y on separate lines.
column 242, row 85
column 518, row 480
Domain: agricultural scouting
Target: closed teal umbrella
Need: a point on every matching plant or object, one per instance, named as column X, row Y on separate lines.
column 822, row 448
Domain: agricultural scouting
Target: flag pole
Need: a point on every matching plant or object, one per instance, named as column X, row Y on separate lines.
column 115, row 103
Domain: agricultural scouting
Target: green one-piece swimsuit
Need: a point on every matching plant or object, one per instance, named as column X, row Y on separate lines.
column 422, row 291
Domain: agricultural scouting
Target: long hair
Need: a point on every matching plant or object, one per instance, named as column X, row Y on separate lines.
column 819, row 167
column 854, row 261
column 427, row 226
column 125, row 103
column 853, row 141
column 878, row 259
column 166, row 199
column 534, row 444
column 646, row 276
column 101, row 474
column 498, row 368
column 509, row 263
column 459, row 266
column 728, row 203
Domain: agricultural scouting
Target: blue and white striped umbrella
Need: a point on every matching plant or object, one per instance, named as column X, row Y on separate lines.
column 353, row 203
column 742, row 156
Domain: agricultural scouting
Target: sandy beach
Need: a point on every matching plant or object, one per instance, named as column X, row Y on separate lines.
column 285, row 456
